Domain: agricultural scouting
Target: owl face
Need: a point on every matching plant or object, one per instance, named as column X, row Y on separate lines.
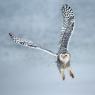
column 64, row 58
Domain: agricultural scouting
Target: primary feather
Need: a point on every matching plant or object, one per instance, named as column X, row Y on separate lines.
column 68, row 24
column 29, row 44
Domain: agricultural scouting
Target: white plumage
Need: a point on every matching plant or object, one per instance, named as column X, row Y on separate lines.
column 63, row 57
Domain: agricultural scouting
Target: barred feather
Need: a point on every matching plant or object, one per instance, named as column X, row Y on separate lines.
column 22, row 41
column 29, row 44
column 68, row 24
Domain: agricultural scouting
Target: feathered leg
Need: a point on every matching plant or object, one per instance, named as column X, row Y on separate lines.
column 71, row 72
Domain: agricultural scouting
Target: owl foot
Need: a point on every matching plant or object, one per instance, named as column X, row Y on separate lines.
column 71, row 74
column 63, row 77
column 62, row 74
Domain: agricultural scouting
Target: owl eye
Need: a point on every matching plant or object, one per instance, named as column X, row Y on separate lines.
column 62, row 55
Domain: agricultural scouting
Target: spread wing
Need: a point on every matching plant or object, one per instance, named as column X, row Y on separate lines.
column 29, row 44
column 68, row 24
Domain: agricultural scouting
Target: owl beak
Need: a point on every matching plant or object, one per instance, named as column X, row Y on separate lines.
column 62, row 74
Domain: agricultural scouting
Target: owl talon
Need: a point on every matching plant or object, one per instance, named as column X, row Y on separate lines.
column 71, row 74
column 63, row 78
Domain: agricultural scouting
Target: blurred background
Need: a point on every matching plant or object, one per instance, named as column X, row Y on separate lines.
column 25, row 71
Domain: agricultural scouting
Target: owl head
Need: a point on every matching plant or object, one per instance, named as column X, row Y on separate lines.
column 64, row 58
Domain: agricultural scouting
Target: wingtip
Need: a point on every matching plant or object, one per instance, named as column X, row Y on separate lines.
column 11, row 35
column 64, row 5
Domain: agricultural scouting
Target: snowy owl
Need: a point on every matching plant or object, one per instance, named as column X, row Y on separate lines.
column 63, row 56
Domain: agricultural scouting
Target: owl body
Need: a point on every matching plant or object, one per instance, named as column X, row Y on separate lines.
column 63, row 57
column 63, row 62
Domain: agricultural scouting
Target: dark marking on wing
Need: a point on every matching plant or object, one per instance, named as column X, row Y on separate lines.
column 68, row 24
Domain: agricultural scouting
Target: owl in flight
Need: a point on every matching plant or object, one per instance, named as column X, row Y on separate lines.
column 63, row 56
